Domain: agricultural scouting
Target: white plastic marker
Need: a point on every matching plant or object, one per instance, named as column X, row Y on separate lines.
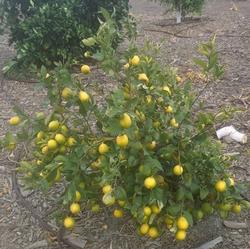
column 231, row 132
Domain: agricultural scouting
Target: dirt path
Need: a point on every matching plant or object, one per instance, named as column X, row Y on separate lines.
column 18, row 229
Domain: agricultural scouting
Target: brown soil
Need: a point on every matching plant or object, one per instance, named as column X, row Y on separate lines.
column 18, row 229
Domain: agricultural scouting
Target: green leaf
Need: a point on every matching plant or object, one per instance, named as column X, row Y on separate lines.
column 203, row 193
column 189, row 217
column 156, row 195
column 173, row 209
column 120, row 193
column 153, row 164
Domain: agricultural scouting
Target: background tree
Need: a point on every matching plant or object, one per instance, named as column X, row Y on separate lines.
column 183, row 7
column 48, row 31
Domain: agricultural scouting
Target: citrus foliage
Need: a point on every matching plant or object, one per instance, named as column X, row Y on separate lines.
column 42, row 36
column 143, row 153
column 185, row 6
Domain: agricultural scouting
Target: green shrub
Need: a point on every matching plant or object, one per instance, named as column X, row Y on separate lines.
column 143, row 152
column 45, row 31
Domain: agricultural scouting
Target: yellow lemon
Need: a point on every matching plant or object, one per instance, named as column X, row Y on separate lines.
column 155, row 209
column 58, row 175
column 143, row 77
column 40, row 135
column 144, row 229
column 103, row 148
column 66, row 93
column 150, row 182
column 167, row 89
column 11, row 146
column 75, row 208
column 108, row 199
column 83, row 96
column 69, row 222
column 53, row 125
column 173, row 123
column 156, row 124
column 39, row 162
column 77, row 196
column 135, row 60
column 149, row 99
column 60, row 139
column 182, row 223
column 82, row 185
column 125, row 121
column 121, row 203
column 95, row 208
column 118, row 213
column 52, row 144
column 160, row 180
column 96, row 164
column 15, row 120
column 45, row 150
column 106, row 189
column 180, row 235
column 147, row 211
column 220, row 186
column 236, row 208
column 225, row 207
column 169, row 220
column 178, row 79
column 62, row 149
column 151, row 146
column 122, row 141
column 231, row 181
column 71, row 141
column 64, row 129
column 153, row 232
column 169, row 109
column 126, row 66
column 40, row 115
column 178, row 170
column 85, row 69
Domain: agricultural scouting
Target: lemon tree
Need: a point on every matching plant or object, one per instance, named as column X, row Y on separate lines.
column 184, row 7
column 144, row 153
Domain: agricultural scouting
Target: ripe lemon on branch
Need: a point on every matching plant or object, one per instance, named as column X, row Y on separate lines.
column 107, row 189
column 66, row 93
column 182, row 223
column 125, row 121
column 150, row 182
column 135, row 60
column 75, row 208
column 15, row 121
column 83, row 96
column 103, row 148
column 178, row 170
column 220, row 186
column 122, row 141
column 85, row 69
column 53, row 125
column 144, row 229
column 69, row 222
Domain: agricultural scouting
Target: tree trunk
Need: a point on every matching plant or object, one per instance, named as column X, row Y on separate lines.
column 178, row 13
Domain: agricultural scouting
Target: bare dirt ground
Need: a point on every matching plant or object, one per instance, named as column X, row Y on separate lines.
column 19, row 230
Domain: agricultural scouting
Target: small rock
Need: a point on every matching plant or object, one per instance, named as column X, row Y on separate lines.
column 211, row 244
column 235, row 225
column 45, row 205
column 38, row 244
column 76, row 241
